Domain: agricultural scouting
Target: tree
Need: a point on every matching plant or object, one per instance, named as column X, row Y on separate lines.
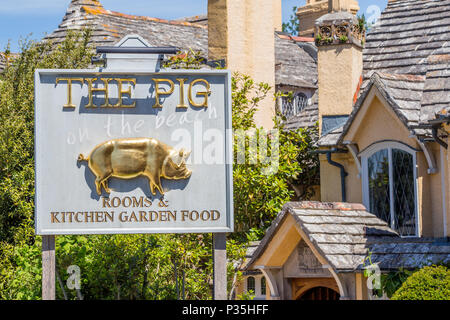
column 259, row 196
column 292, row 25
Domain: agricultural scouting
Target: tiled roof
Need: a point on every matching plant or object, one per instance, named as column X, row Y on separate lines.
column 289, row 56
column 295, row 65
column 345, row 233
column 331, row 138
column 251, row 248
column 198, row 19
column 109, row 27
column 291, row 53
column 436, row 92
column 407, row 56
column 406, row 34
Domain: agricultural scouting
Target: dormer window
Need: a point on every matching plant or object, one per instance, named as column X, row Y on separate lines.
column 390, row 185
column 291, row 106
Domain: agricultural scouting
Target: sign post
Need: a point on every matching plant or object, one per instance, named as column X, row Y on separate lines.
column 48, row 267
column 220, row 266
column 133, row 148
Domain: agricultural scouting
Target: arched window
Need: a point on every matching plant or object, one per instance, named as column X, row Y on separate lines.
column 292, row 106
column 251, row 284
column 263, row 286
column 390, row 185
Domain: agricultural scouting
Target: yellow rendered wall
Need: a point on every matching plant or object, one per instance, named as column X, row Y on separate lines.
column 242, row 32
column 330, row 179
column 339, row 72
column 379, row 123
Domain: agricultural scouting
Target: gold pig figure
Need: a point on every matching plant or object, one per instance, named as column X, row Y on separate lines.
column 133, row 157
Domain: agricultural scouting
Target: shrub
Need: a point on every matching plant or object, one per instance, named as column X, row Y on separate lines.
column 429, row 283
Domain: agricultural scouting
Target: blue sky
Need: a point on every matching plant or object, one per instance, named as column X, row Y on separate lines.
column 21, row 17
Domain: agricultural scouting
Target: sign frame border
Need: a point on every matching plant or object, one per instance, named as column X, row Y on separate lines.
column 228, row 143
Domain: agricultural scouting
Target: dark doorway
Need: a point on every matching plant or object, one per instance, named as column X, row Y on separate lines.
column 320, row 293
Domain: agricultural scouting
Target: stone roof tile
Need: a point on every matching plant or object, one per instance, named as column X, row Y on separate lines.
column 436, row 93
column 407, row 33
column 345, row 234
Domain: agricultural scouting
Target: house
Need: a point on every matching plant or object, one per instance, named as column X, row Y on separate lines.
column 383, row 102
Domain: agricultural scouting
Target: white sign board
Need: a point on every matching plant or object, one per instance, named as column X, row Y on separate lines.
column 133, row 152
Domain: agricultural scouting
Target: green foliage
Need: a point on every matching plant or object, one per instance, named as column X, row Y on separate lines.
column 246, row 95
column 17, row 127
column 185, row 60
column 259, row 196
column 248, row 295
column 392, row 281
column 292, row 25
column 318, row 39
column 20, row 271
column 389, row 282
column 362, row 23
column 428, row 283
column 138, row 266
column 343, row 39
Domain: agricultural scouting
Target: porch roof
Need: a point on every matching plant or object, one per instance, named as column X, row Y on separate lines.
column 346, row 234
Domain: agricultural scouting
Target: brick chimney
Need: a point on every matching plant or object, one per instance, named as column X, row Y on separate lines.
column 340, row 42
column 243, row 33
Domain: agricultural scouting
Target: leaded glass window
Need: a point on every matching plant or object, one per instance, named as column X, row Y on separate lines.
column 291, row 106
column 390, row 186
column 404, row 195
column 379, row 194
column 251, row 284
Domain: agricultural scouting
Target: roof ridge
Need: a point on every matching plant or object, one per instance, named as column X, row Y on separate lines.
column 319, row 205
column 102, row 11
column 392, row 6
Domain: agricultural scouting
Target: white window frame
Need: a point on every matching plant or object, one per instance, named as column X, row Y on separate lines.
column 389, row 145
